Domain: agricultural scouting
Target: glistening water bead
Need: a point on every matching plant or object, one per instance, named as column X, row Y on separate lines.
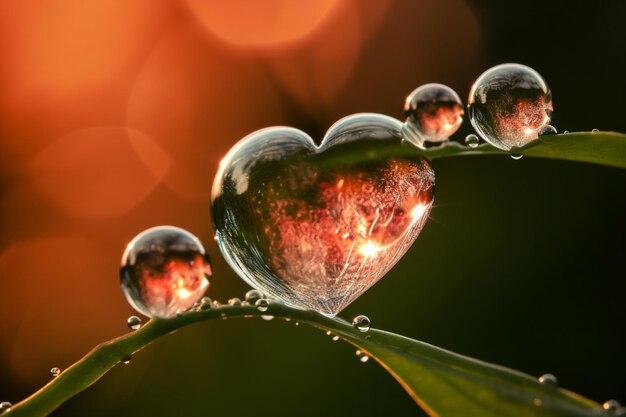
column 55, row 372
column 548, row 380
column 316, row 226
column 165, row 270
column 361, row 323
column 5, row 406
column 509, row 104
column 434, row 112
column 133, row 322
column 472, row 140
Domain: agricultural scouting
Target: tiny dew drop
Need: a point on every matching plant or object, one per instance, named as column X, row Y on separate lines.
column 329, row 333
column 297, row 323
column 335, row 338
column 611, row 405
column 262, row 305
column 516, row 154
column 234, row 301
column 595, row 130
column 244, row 303
column 253, row 295
column 566, row 132
column 216, row 304
column 267, row 317
column 205, row 303
column 126, row 359
column 361, row 323
column 548, row 380
column 547, row 130
column 364, row 358
column 55, row 372
column 134, row 323
column 5, row 406
column 472, row 140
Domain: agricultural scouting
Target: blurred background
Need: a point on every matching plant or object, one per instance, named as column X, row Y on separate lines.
column 114, row 116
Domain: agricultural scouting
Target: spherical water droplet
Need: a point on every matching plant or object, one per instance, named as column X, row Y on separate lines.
column 244, row 303
column 362, row 323
column 297, row 323
column 547, row 130
column 253, row 295
column 335, row 338
column 611, row 405
column 549, row 380
column 133, row 322
column 364, row 358
column 5, row 406
column 516, row 154
column 324, row 231
column 434, row 112
column 55, row 372
column 262, row 304
column 234, row 301
column 566, row 132
column 165, row 270
column 267, row 317
column 216, row 304
column 126, row 360
column 472, row 140
column 508, row 105
column 205, row 303
column 595, row 130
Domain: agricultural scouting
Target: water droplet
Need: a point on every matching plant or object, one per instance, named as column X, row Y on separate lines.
column 516, row 153
column 216, row 304
column 329, row 333
column 434, row 112
column 234, row 301
column 508, row 105
column 55, row 372
column 205, row 303
column 362, row 323
column 335, row 338
column 547, row 130
column 472, row 140
column 165, row 270
column 364, row 358
column 262, row 304
column 611, row 405
column 324, row 231
column 126, row 360
column 595, row 130
column 5, row 406
column 133, row 322
column 267, row 317
column 297, row 323
column 253, row 295
column 566, row 132
column 549, row 380
column 244, row 303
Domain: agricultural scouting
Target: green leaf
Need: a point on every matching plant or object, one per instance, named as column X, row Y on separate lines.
column 604, row 148
column 443, row 383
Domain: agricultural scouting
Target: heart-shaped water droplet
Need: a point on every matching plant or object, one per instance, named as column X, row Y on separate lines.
column 316, row 226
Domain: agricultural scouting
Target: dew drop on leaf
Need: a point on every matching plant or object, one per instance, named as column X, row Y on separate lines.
column 361, row 323
column 509, row 104
column 205, row 303
column 434, row 113
column 262, row 305
column 547, row 130
column 126, row 360
column 165, row 270
column 548, row 380
column 516, row 154
column 472, row 140
column 55, row 372
column 595, row 130
column 234, row 301
column 267, row 317
column 5, row 406
column 611, row 406
column 133, row 322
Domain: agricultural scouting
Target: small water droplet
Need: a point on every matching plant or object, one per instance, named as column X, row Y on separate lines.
column 565, row 132
column 364, row 358
column 549, row 380
column 508, row 105
column 216, row 304
column 595, row 130
column 547, row 130
column 287, row 319
column 335, row 338
column 205, row 303
column 262, row 304
column 234, row 301
column 297, row 323
column 611, row 405
column 472, row 140
column 267, row 317
column 434, row 113
column 165, row 270
column 244, row 303
column 126, row 359
column 362, row 323
column 5, row 406
column 253, row 295
column 516, row 154
column 55, row 372
column 134, row 323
